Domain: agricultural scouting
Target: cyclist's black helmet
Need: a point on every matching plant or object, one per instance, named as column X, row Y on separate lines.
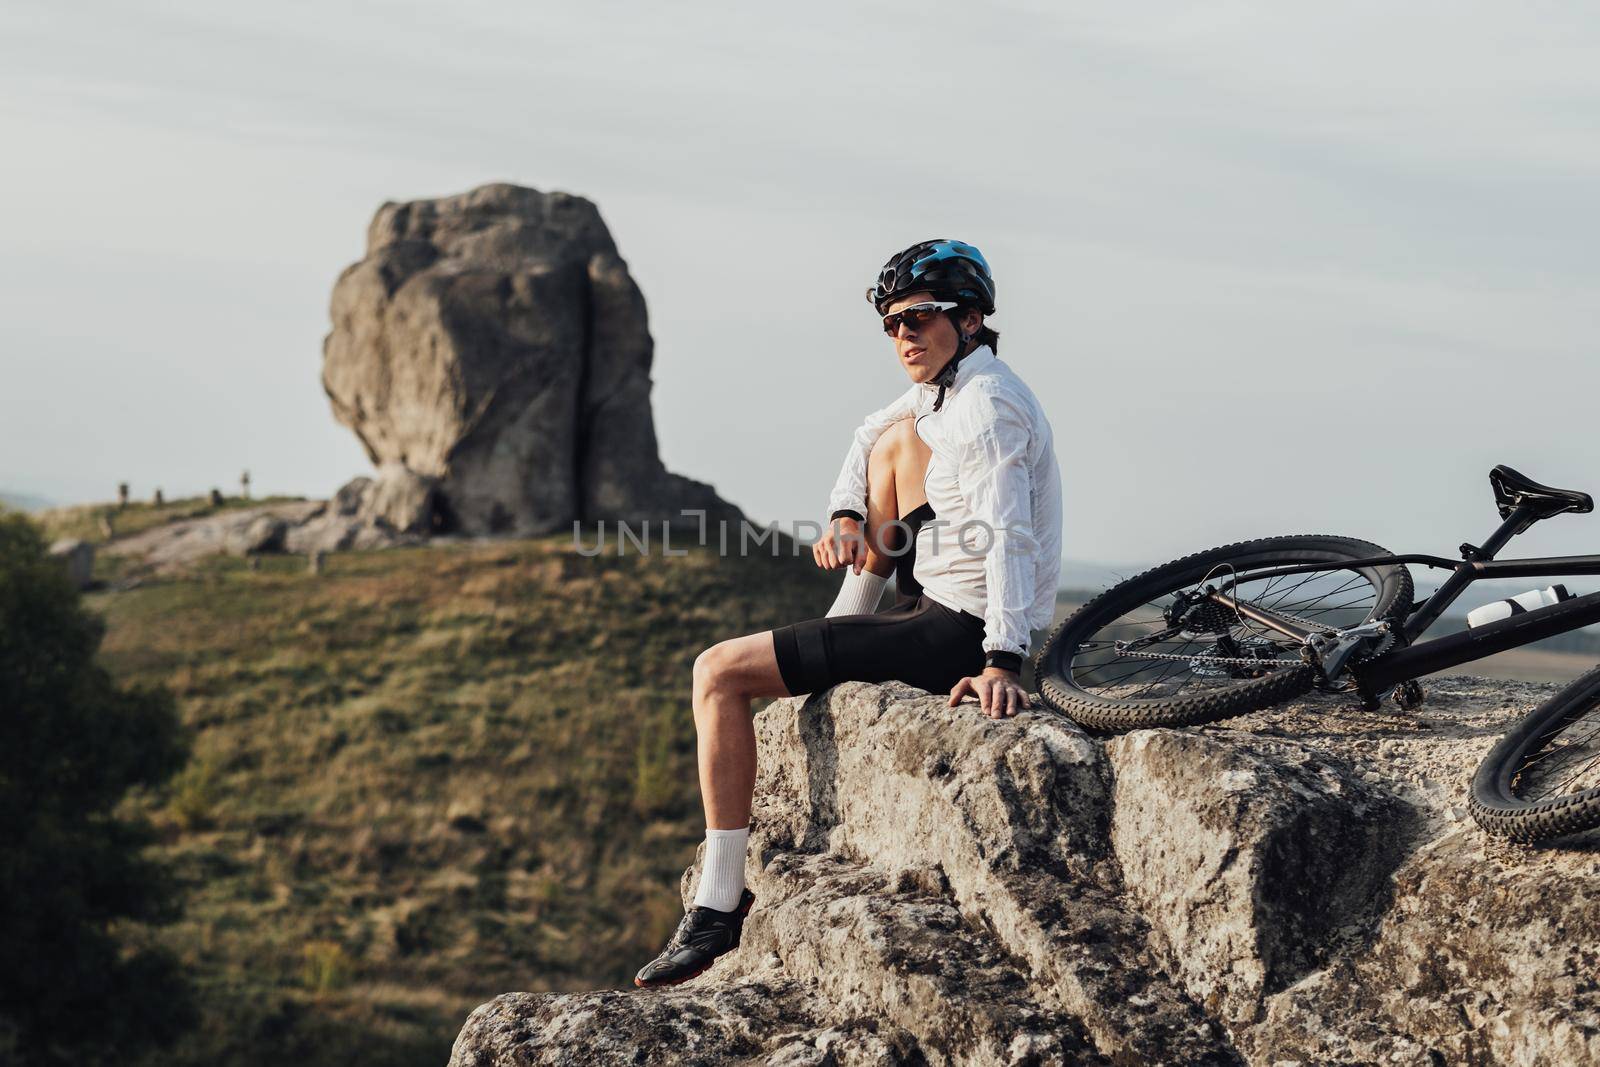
column 950, row 270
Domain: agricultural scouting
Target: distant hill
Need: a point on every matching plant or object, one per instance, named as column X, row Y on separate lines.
column 1089, row 575
column 23, row 501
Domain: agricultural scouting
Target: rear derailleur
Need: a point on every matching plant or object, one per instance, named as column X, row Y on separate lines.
column 1334, row 653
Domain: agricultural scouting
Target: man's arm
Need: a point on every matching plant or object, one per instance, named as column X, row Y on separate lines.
column 995, row 480
column 849, row 493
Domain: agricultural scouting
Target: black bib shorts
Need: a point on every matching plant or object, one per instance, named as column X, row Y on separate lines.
column 919, row 641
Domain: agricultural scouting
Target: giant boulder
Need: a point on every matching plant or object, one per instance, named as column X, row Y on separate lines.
column 495, row 345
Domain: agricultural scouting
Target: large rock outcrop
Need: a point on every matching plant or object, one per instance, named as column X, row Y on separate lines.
column 302, row 526
column 494, row 345
column 1299, row 886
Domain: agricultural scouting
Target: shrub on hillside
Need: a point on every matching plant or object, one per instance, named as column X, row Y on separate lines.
column 72, row 873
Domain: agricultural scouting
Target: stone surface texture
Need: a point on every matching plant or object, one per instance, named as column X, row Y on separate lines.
column 1297, row 886
column 495, row 345
column 301, row 526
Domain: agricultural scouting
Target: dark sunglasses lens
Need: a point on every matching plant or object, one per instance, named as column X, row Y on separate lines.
column 916, row 318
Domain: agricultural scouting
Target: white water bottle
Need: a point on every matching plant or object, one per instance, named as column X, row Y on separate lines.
column 1504, row 609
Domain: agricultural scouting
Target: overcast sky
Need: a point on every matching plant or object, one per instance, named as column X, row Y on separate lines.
column 1271, row 267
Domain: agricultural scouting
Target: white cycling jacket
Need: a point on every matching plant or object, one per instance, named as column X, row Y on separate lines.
column 993, row 468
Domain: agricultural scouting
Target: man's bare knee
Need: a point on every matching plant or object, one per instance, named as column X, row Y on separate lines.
column 891, row 444
column 706, row 667
column 713, row 670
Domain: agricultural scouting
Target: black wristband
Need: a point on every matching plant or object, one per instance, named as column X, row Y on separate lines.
column 1010, row 661
column 846, row 512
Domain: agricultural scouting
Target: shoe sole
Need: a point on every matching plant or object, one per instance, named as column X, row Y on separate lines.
column 679, row 981
column 744, row 911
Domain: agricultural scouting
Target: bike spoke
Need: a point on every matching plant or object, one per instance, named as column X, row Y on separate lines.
column 1336, row 607
column 1575, row 775
column 1280, row 606
column 1171, row 666
column 1568, row 763
column 1142, row 665
column 1212, row 657
column 1295, row 587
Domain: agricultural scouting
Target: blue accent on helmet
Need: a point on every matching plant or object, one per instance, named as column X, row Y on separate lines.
column 943, row 250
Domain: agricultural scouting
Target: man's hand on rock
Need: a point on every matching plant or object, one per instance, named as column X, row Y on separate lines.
column 841, row 545
column 999, row 692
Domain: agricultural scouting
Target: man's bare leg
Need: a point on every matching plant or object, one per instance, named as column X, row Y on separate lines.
column 727, row 677
column 732, row 673
column 896, row 468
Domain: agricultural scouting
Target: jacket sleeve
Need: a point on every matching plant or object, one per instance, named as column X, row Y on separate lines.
column 994, row 476
column 850, row 489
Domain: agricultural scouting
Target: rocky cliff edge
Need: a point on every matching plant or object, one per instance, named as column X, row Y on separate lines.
column 1298, row 886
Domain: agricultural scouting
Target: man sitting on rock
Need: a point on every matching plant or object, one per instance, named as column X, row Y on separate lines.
column 957, row 486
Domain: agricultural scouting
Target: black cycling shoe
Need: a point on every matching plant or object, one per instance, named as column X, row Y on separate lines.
column 703, row 934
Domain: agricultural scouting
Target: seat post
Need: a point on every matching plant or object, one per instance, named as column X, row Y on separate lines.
column 1519, row 519
column 1463, row 575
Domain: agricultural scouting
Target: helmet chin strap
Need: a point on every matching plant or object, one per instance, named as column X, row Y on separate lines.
column 947, row 377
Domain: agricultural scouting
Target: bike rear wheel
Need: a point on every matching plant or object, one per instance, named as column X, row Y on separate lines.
column 1543, row 778
column 1215, row 664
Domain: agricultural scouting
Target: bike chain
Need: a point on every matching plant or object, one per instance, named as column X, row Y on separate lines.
column 1228, row 661
column 1237, row 661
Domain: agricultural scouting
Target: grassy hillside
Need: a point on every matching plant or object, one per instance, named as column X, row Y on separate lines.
column 429, row 776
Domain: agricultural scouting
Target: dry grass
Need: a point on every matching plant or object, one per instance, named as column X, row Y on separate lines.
column 429, row 776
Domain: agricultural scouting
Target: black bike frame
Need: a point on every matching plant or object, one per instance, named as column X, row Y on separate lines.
column 1477, row 563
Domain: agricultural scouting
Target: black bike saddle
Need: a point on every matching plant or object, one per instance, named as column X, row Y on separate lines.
column 1512, row 489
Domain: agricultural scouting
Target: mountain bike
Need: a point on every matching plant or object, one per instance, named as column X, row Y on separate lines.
column 1249, row 625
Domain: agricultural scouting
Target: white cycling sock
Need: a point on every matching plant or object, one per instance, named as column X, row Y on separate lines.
column 860, row 593
column 722, row 874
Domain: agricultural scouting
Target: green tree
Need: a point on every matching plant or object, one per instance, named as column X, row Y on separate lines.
column 72, row 873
